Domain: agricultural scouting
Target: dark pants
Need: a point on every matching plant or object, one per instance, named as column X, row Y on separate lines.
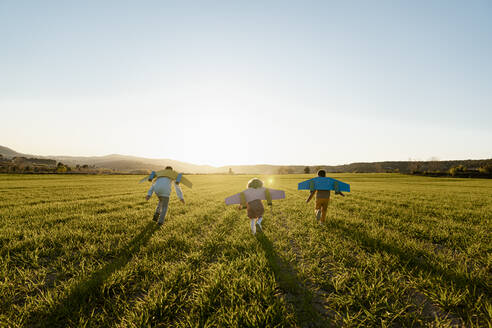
column 161, row 208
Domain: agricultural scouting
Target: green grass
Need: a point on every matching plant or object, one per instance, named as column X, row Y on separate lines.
column 397, row 251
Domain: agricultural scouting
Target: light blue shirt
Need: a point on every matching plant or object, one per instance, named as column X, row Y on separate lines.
column 162, row 187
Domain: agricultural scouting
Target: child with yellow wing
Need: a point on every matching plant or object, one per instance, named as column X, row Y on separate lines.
column 162, row 188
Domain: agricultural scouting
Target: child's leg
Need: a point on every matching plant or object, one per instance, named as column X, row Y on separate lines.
column 158, row 210
column 324, row 208
column 253, row 226
column 165, row 202
column 258, row 222
column 317, row 209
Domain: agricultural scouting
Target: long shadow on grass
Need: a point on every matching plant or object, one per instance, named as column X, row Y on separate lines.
column 86, row 296
column 409, row 257
column 296, row 294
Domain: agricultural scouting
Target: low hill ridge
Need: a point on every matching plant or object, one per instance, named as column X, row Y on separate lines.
column 127, row 163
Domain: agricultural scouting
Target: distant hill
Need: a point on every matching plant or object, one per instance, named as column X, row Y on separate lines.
column 131, row 163
column 125, row 163
column 408, row 166
column 373, row 167
column 7, row 152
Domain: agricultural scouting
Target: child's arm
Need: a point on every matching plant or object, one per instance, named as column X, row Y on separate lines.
column 179, row 193
column 150, row 192
column 310, row 196
column 339, row 193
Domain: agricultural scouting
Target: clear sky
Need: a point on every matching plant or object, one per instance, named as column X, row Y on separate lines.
column 248, row 82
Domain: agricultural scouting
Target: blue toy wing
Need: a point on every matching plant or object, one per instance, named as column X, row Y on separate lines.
column 305, row 185
column 323, row 183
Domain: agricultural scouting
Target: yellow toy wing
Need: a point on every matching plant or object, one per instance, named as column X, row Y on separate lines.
column 173, row 175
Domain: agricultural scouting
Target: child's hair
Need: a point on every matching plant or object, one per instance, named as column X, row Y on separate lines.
column 169, row 167
column 255, row 183
column 322, row 173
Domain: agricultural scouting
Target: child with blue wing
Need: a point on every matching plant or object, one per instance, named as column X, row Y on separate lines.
column 321, row 187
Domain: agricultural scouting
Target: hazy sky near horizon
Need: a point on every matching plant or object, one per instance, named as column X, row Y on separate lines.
column 248, row 82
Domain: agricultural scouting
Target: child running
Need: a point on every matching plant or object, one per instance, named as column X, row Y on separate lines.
column 322, row 200
column 162, row 188
column 251, row 199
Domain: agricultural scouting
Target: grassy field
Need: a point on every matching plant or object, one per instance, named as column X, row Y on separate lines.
column 397, row 251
